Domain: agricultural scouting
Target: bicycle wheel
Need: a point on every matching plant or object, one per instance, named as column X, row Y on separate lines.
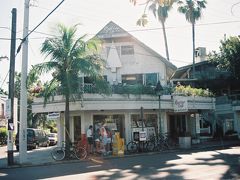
column 58, row 153
column 150, row 146
column 166, row 146
column 80, row 153
column 132, row 147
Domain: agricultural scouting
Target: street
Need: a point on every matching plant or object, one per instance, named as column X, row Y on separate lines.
column 210, row 164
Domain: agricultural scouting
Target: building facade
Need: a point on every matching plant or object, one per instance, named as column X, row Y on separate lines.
column 130, row 63
column 226, row 120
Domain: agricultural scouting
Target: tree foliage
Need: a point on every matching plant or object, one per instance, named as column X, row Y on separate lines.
column 33, row 84
column 160, row 9
column 228, row 58
column 70, row 58
column 192, row 9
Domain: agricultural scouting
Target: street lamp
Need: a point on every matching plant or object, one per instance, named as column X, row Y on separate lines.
column 159, row 91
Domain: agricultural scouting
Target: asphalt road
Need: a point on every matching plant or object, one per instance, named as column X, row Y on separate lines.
column 211, row 164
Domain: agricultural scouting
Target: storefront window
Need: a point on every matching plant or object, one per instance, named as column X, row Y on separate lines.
column 114, row 122
column 229, row 125
column 149, row 124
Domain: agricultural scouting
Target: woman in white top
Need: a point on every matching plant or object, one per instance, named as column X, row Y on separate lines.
column 90, row 139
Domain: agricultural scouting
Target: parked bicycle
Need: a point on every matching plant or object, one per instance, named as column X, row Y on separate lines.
column 140, row 146
column 76, row 151
column 163, row 142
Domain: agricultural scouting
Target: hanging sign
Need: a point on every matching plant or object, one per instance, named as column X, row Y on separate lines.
column 142, row 136
column 8, row 109
column 180, row 104
column 53, row 115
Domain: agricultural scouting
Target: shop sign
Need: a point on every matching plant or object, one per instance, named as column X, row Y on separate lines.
column 8, row 109
column 112, row 126
column 53, row 115
column 180, row 104
column 142, row 136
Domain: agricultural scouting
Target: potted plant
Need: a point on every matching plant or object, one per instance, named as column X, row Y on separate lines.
column 185, row 140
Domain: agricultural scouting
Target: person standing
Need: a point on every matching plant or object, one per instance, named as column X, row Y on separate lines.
column 104, row 137
column 90, row 139
column 97, row 140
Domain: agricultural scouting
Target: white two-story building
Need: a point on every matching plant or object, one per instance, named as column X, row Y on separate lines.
column 130, row 63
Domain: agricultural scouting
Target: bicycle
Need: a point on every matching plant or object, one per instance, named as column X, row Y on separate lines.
column 163, row 142
column 76, row 151
column 140, row 146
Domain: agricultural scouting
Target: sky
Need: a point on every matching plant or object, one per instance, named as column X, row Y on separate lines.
column 220, row 18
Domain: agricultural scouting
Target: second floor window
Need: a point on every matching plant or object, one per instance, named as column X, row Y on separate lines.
column 151, row 79
column 2, row 110
column 132, row 79
column 127, row 50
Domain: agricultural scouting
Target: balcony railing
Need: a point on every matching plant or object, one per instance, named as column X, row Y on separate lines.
column 122, row 89
column 230, row 99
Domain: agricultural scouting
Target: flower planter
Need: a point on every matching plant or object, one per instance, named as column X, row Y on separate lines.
column 185, row 142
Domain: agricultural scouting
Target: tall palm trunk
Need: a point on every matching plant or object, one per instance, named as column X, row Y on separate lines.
column 67, row 135
column 165, row 39
column 193, row 41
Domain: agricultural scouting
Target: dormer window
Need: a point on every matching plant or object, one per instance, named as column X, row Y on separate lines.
column 127, row 50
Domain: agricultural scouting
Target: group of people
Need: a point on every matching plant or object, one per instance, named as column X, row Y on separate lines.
column 100, row 140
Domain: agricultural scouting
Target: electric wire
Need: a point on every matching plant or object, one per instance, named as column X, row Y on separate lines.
column 24, row 39
column 232, row 7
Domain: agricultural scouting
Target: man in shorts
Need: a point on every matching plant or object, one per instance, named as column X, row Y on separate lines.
column 90, row 139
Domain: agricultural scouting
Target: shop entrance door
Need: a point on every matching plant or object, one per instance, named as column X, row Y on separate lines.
column 77, row 127
column 177, row 125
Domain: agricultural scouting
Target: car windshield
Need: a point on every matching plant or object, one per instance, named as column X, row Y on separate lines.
column 51, row 135
column 30, row 133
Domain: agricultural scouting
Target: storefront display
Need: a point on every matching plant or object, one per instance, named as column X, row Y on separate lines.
column 148, row 126
column 112, row 124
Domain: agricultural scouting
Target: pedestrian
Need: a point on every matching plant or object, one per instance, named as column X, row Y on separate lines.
column 97, row 140
column 104, row 137
column 90, row 139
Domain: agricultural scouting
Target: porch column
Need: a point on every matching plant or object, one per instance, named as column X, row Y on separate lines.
column 60, row 129
column 128, row 128
column 237, row 123
column 83, row 129
column 164, row 122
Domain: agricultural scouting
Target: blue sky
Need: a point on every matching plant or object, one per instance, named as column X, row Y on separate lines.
column 219, row 18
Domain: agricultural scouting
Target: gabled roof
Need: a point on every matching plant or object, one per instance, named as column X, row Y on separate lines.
column 184, row 69
column 112, row 30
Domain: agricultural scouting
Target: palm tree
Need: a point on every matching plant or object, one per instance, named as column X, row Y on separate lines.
column 70, row 57
column 32, row 81
column 192, row 9
column 160, row 9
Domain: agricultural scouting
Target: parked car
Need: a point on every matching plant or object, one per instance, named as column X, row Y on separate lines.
column 52, row 138
column 35, row 138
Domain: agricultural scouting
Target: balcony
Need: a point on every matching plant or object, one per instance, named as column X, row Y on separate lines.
column 230, row 99
column 127, row 89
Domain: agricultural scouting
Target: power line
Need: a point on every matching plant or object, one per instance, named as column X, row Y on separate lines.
column 233, row 7
column 4, row 79
column 24, row 39
column 134, row 30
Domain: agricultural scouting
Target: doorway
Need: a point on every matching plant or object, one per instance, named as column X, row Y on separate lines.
column 177, row 125
column 77, row 127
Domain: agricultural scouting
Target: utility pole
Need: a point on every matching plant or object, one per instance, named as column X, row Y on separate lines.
column 23, row 93
column 11, row 88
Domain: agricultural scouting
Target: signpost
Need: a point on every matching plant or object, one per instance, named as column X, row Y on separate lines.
column 53, row 115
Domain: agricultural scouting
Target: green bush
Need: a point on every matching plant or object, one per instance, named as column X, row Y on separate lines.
column 3, row 136
column 189, row 91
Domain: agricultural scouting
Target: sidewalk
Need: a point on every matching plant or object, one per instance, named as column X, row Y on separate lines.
column 42, row 156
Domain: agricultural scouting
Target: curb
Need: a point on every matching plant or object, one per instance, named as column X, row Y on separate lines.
column 224, row 146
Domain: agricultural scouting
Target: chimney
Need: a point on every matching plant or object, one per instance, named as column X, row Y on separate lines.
column 200, row 54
